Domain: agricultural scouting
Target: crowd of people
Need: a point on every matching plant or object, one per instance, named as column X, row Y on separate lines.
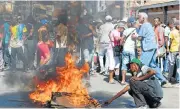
column 115, row 44
column 157, row 46
column 122, row 47
column 151, row 55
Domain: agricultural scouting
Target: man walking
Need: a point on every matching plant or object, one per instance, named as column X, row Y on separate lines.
column 129, row 46
column 149, row 46
column 18, row 33
column 160, row 40
column 168, row 29
column 104, row 42
column 6, row 41
column 174, row 49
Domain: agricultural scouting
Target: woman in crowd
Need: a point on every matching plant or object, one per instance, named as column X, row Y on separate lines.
column 114, row 51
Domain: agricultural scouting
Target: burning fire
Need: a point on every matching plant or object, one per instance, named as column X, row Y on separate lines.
column 69, row 80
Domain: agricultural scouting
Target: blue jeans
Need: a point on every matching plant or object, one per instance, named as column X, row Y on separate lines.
column 127, row 57
column 149, row 58
column 166, row 64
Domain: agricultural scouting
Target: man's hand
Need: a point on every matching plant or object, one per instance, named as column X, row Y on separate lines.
column 167, row 50
column 134, row 78
column 134, row 36
column 107, row 102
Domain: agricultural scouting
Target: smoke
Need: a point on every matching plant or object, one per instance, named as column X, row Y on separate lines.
column 20, row 80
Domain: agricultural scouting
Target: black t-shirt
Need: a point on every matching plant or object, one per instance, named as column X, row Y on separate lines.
column 88, row 42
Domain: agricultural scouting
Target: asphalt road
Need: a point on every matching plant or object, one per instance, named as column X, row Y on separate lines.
column 13, row 92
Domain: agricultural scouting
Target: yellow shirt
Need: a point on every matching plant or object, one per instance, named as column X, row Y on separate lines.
column 14, row 30
column 15, row 41
column 175, row 37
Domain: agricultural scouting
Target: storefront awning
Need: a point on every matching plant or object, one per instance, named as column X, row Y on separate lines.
column 160, row 5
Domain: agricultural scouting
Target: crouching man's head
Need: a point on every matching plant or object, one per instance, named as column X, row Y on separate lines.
column 135, row 66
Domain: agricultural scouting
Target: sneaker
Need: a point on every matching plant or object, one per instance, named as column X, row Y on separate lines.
column 7, row 68
column 143, row 107
column 102, row 72
column 167, row 85
column 156, row 105
column 93, row 73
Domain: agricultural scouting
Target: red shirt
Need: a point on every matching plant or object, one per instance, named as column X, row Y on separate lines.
column 116, row 37
column 43, row 50
column 159, row 32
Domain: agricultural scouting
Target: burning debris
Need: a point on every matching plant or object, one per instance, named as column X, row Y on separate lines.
column 66, row 89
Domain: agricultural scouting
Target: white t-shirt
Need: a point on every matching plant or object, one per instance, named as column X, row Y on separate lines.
column 104, row 31
column 129, row 45
column 144, row 71
column 166, row 33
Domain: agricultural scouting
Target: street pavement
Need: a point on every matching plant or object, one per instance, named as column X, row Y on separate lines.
column 13, row 92
column 102, row 90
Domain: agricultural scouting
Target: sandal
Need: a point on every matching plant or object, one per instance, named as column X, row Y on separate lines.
column 111, row 82
column 123, row 83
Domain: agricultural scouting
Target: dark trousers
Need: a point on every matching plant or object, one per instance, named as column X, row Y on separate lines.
column 142, row 93
column 18, row 53
column 59, row 56
column 6, row 55
column 29, row 51
column 172, row 63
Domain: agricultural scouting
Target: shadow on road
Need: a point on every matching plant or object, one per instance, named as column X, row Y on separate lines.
column 15, row 100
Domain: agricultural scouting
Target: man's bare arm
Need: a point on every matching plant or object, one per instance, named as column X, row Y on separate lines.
column 88, row 35
column 123, row 91
column 166, row 42
column 150, row 73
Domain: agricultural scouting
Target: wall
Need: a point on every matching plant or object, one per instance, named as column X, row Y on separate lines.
column 173, row 11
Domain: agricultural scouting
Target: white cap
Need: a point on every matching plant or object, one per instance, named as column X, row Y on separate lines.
column 124, row 19
column 108, row 17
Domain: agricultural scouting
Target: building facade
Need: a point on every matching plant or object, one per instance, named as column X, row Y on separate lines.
column 164, row 9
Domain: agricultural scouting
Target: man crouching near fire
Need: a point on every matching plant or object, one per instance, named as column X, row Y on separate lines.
column 143, row 86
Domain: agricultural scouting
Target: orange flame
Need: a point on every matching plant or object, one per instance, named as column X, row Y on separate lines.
column 69, row 80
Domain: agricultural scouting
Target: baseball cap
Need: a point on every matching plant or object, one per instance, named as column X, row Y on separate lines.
column 137, row 61
column 121, row 25
column 131, row 20
column 44, row 21
column 108, row 17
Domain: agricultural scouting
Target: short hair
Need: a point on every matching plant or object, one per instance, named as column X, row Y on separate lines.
column 170, row 22
column 143, row 14
column 157, row 18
